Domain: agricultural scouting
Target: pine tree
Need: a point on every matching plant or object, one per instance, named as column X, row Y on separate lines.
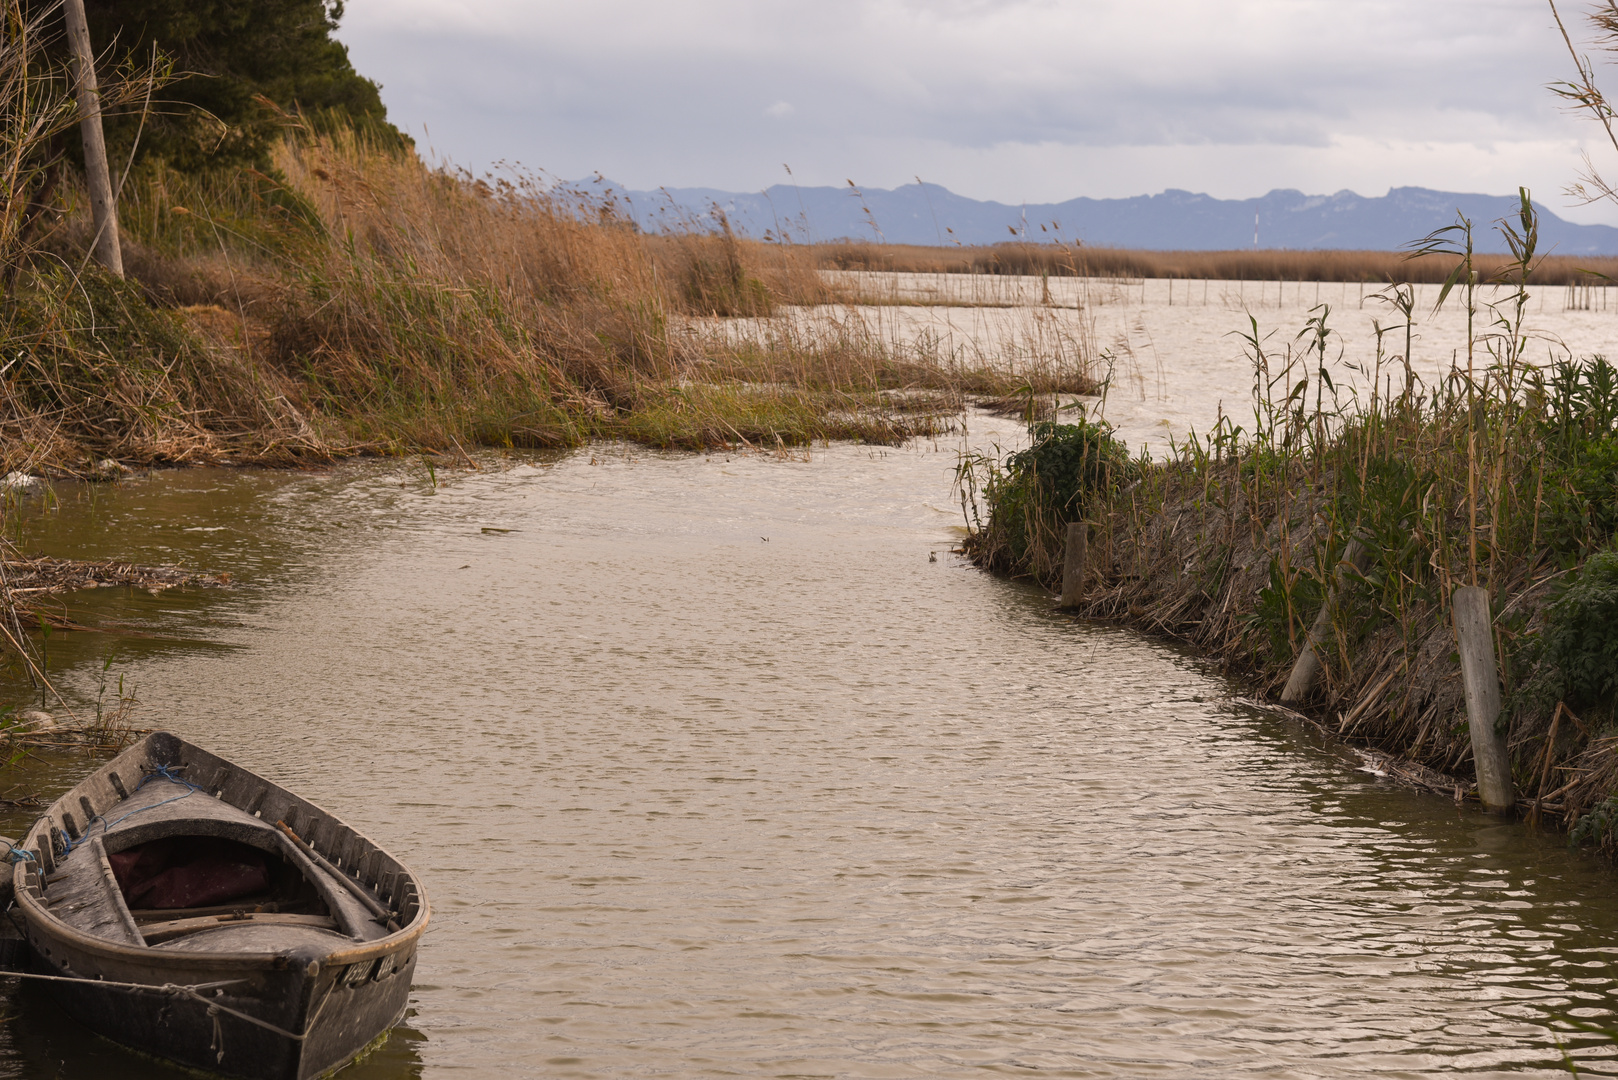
column 249, row 66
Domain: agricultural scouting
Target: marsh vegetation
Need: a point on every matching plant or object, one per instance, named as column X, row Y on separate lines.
column 1500, row 472
column 339, row 294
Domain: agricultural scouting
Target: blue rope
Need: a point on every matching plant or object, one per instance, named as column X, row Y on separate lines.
column 161, row 772
column 166, row 772
column 19, row 853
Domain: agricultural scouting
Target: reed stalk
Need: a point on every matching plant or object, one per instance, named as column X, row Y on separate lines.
column 1499, row 472
column 1040, row 262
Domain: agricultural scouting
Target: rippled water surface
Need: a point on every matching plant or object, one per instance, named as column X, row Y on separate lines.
column 711, row 770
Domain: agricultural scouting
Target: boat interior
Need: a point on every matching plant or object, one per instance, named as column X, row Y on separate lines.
column 184, row 884
column 163, row 861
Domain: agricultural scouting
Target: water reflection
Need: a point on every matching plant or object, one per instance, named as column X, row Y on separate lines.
column 711, row 772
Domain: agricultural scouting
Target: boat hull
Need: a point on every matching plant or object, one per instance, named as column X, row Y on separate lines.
column 338, row 1019
column 240, row 994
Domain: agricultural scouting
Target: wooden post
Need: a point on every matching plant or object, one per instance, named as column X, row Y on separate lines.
column 1306, row 668
column 97, row 175
column 1480, row 679
column 1074, row 563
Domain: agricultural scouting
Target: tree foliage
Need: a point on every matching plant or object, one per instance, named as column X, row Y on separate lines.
column 248, row 66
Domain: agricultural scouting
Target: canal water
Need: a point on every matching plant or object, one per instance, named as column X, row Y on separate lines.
column 724, row 766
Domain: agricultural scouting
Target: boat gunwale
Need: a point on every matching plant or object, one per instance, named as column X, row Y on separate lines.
column 40, row 917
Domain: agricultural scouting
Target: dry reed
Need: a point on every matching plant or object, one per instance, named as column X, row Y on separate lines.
column 1054, row 260
column 1499, row 474
column 360, row 300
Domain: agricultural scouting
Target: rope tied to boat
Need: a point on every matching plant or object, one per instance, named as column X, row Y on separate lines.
column 215, row 1008
column 159, row 772
column 183, row 990
column 216, row 1044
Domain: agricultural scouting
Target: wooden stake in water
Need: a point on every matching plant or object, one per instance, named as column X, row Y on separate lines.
column 1480, row 679
column 1075, row 563
column 98, row 176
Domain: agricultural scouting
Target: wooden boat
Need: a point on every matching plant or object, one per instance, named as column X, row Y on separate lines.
column 185, row 907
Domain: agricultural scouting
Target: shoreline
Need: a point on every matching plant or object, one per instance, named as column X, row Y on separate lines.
column 1185, row 572
column 1194, row 571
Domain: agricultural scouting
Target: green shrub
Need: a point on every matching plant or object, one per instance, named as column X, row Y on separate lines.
column 1034, row 493
column 1067, row 463
column 1576, row 655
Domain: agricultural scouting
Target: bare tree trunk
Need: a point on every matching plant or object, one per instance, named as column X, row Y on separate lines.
column 103, row 205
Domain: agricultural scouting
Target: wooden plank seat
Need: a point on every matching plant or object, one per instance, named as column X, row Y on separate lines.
column 143, row 916
column 175, row 928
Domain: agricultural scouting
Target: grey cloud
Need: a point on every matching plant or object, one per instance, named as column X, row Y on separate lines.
column 695, row 82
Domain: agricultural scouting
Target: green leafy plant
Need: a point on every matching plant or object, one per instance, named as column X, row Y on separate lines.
column 1033, row 494
column 1596, row 827
column 1578, row 645
column 1068, row 462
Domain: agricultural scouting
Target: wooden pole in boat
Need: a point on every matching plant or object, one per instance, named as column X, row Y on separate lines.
column 103, row 202
column 1480, row 679
column 372, row 904
column 1306, row 668
column 1074, row 563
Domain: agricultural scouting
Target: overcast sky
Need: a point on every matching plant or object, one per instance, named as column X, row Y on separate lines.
column 1037, row 100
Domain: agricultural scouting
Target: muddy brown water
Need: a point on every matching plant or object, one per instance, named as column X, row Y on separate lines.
column 712, row 771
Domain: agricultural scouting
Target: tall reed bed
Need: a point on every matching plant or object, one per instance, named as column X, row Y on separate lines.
column 1066, row 260
column 356, row 298
column 1501, row 473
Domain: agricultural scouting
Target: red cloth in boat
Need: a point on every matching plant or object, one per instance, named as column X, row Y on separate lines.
column 189, row 871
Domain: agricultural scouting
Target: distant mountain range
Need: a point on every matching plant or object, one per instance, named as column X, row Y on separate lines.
column 1173, row 221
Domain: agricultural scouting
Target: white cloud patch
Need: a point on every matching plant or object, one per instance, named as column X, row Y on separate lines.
column 1006, row 99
